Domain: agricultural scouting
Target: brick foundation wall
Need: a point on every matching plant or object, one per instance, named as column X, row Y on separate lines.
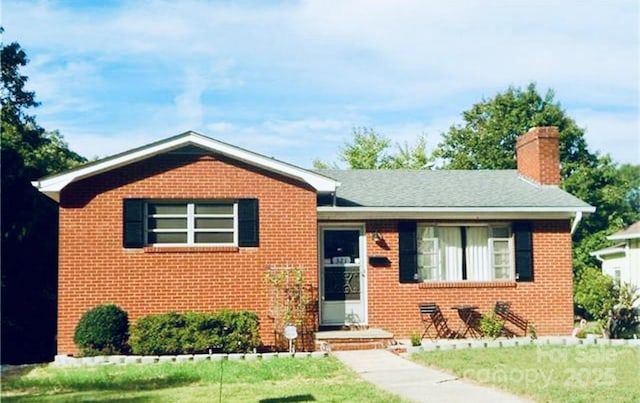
column 547, row 301
column 95, row 269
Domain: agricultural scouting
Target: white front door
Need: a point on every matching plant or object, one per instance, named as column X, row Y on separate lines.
column 343, row 283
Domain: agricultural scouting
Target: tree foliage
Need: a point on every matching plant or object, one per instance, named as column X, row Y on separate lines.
column 486, row 140
column 594, row 294
column 488, row 136
column 371, row 150
column 29, row 219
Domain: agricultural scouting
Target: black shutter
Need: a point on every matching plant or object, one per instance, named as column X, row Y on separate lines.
column 524, row 251
column 407, row 245
column 133, row 223
column 248, row 222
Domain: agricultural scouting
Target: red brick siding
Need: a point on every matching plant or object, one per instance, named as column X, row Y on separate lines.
column 547, row 301
column 95, row 269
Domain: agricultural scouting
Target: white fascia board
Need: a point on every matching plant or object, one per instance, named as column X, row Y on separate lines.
column 623, row 237
column 319, row 182
column 52, row 186
column 608, row 251
column 469, row 213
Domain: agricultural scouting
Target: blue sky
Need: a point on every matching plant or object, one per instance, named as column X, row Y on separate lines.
column 291, row 79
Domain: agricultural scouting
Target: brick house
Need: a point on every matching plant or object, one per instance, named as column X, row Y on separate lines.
column 191, row 223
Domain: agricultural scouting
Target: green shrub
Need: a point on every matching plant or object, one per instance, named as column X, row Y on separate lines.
column 195, row 332
column 595, row 293
column 103, row 329
column 239, row 332
column 158, row 334
column 491, row 326
column 624, row 317
column 202, row 333
column 416, row 340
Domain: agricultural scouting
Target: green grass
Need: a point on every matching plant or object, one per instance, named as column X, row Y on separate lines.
column 548, row 373
column 275, row 380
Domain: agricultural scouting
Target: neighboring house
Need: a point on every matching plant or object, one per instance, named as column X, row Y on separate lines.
column 622, row 260
column 191, row 223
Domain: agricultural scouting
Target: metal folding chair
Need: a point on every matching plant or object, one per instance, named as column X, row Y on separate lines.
column 511, row 319
column 434, row 322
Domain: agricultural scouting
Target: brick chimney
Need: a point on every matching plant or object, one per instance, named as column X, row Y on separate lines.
column 538, row 155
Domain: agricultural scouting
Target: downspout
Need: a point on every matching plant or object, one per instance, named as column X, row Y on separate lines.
column 576, row 221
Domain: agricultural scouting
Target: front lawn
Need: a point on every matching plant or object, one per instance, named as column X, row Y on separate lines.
column 274, row 380
column 548, row 373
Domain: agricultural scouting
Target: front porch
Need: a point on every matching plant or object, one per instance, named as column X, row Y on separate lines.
column 358, row 339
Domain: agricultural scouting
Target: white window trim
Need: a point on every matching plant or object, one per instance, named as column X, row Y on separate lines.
column 512, row 264
column 191, row 217
column 490, row 243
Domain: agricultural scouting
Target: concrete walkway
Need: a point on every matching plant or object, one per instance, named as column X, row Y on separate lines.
column 416, row 382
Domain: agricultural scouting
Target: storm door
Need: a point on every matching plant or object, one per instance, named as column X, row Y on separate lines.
column 342, row 276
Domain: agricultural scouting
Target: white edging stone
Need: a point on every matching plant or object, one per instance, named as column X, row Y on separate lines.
column 268, row 356
column 447, row 344
column 184, row 358
column 133, row 359
column 149, row 359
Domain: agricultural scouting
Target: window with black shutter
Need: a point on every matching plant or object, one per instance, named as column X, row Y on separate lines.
column 190, row 223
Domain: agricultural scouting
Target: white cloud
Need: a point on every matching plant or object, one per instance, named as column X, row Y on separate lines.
column 291, row 74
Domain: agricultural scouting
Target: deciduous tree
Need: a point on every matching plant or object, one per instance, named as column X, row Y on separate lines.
column 371, row 150
column 29, row 219
column 486, row 140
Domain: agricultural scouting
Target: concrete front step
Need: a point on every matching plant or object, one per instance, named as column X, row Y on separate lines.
column 344, row 340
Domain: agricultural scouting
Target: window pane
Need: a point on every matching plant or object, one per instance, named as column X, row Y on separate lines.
column 426, row 232
column 451, row 251
column 500, row 232
column 167, row 237
column 214, row 237
column 167, row 223
column 501, row 260
column 427, row 260
column 428, row 273
column 213, row 208
column 500, row 246
column 502, row 273
column 342, row 244
column 427, row 245
column 163, row 208
column 214, row 223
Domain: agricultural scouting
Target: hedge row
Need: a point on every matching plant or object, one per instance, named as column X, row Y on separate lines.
column 169, row 333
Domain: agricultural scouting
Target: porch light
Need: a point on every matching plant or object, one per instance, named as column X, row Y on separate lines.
column 376, row 236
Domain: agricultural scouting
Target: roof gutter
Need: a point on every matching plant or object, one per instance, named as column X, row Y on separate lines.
column 465, row 213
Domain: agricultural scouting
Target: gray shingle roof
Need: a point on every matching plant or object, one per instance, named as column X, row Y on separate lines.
column 632, row 231
column 445, row 188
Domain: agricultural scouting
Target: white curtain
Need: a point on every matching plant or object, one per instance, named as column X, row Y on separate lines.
column 477, row 254
column 451, row 249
